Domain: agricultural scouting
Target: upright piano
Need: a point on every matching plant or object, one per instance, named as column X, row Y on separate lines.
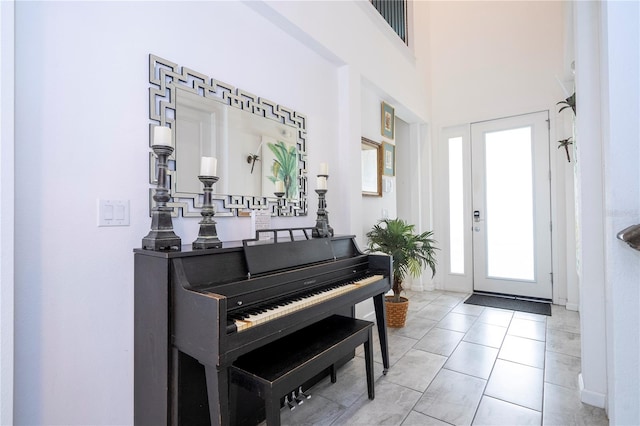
column 197, row 311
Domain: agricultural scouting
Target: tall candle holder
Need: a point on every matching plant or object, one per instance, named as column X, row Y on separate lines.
column 280, row 205
column 161, row 236
column 208, row 235
column 322, row 228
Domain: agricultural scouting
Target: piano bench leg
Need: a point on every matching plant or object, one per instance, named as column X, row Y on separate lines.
column 334, row 373
column 368, row 357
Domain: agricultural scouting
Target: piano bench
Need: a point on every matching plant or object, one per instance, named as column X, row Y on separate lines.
column 277, row 368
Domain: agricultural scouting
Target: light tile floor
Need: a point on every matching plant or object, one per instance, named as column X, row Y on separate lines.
column 457, row 364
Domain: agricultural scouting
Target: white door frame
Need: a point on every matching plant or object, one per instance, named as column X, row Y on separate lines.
column 539, row 285
column 464, row 281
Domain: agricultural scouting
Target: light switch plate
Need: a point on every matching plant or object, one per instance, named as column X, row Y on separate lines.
column 113, row 212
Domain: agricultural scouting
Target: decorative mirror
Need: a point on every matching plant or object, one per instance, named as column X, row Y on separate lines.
column 260, row 145
column 371, row 156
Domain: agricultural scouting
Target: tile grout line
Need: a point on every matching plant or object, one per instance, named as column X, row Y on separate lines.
column 450, row 309
column 544, row 372
column 441, row 368
column 492, row 368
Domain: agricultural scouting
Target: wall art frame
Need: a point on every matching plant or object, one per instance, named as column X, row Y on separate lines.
column 387, row 121
column 389, row 159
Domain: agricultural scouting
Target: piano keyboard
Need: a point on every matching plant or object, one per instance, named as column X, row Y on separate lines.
column 263, row 313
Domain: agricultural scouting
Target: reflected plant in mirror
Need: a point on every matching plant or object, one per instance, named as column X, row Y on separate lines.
column 258, row 144
column 284, row 167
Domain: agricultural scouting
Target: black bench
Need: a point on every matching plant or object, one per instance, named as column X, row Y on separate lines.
column 276, row 369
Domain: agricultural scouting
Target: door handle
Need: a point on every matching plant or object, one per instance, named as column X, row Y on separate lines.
column 631, row 236
column 476, row 219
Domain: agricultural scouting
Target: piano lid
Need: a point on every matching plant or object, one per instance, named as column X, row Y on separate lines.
column 265, row 256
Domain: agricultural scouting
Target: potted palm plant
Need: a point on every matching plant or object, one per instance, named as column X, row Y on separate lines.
column 411, row 253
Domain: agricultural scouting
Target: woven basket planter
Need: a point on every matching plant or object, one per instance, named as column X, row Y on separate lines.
column 396, row 312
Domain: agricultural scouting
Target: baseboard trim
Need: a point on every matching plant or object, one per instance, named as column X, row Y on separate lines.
column 369, row 316
column 596, row 399
column 572, row 307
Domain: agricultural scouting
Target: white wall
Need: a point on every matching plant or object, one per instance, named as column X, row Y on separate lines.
column 81, row 134
column 353, row 33
column 494, row 59
column 376, row 208
column 345, row 29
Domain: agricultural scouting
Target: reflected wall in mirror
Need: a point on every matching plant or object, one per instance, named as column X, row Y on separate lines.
column 260, row 146
column 371, row 157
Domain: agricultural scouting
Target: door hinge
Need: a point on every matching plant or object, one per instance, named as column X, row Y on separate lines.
column 548, row 123
column 551, row 273
column 551, row 226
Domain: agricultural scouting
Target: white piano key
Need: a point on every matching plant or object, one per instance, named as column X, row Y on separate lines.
column 297, row 305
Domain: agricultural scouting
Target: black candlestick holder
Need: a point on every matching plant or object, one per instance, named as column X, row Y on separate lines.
column 322, row 228
column 207, row 236
column 161, row 236
column 280, row 206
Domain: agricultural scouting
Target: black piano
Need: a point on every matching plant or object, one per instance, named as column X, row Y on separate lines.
column 197, row 311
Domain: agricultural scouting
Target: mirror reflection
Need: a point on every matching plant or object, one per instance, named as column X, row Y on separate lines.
column 260, row 146
column 371, row 166
column 262, row 152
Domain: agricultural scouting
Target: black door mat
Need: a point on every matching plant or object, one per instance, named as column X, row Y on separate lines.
column 505, row 302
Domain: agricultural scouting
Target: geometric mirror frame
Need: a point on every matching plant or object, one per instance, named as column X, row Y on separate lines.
column 166, row 78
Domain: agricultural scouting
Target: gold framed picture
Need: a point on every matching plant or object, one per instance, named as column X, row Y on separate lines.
column 371, row 156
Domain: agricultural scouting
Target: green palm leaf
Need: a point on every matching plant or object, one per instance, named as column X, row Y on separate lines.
column 411, row 252
column 285, row 166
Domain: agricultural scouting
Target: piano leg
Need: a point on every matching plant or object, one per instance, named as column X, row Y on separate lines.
column 218, row 395
column 368, row 356
column 272, row 410
column 381, row 321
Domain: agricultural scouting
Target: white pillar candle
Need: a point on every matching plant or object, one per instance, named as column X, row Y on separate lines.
column 279, row 186
column 324, row 169
column 161, row 135
column 208, row 166
column 321, row 182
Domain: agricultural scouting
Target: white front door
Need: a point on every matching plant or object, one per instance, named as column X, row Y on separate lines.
column 511, row 222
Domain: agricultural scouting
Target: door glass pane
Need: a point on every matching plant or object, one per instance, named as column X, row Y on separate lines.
column 456, row 213
column 509, row 204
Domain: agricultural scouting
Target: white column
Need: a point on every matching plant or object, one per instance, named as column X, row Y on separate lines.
column 347, row 171
column 409, row 181
column 7, row 39
column 621, row 148
column 590, row 204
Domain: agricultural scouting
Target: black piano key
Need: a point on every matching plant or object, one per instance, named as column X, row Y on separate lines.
column 231, row 326
column 238, row 316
